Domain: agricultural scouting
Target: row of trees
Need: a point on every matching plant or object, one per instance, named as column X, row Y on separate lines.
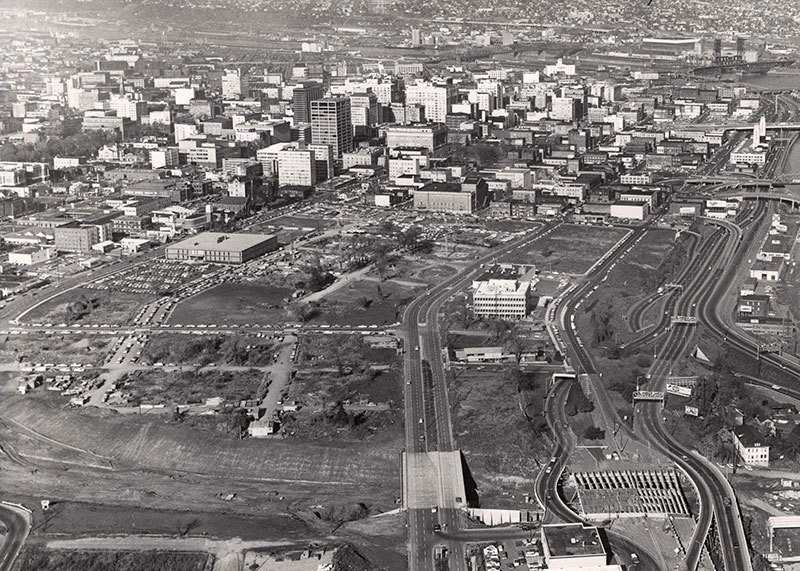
column 84, row 144
column 81, row 307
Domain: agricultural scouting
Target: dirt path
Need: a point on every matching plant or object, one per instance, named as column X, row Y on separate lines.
column 279, row 373
column 338, row 284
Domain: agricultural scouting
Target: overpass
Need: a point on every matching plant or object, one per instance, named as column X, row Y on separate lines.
column 789, row 195
column 743, row 126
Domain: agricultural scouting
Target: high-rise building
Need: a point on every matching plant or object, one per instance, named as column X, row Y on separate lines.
column 302, row 96
column 416, row 37
column 364, row 109
column 296, row 167
column 436, row 99
column 323, row 161
column 331, row 124
column 233, row 84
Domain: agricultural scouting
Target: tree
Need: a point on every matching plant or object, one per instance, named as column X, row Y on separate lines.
column 410, row 237
column 516, row 346
column 704, row 393
column 577, row 401
column 318, row 278
column 237, row 421
column 383, row 256
column 594, row 433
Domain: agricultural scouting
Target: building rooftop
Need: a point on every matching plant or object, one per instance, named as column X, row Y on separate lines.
column 773, row 265
column 572, row 540
column 219, row 242
column 498, row 272
column 749, row 436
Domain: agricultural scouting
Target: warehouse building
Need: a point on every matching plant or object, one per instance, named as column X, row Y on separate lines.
column 221, row 248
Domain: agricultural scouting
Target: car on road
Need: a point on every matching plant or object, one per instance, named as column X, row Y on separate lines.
column 437, row 528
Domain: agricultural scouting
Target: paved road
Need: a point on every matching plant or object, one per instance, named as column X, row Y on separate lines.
column 715, row 493
column 427, row 410
column 710, row 489
column 17, row 525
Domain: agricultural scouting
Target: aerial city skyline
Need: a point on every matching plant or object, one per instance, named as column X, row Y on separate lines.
column 385, row 285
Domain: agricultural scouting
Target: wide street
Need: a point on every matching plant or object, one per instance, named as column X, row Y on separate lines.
column 427, row 410
column 15, row 524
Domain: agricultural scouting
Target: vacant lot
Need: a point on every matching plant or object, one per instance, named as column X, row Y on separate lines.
column 240, row 350
column 86, row 305
column 39, row 558
column 188, row 387
column 340, row 381
column 56, row 350
column 365, row 302
column 500, row 444
column 569, row 249
column 320, row 387
column 235, row 304
column 342, row 350
column 73, row 517
column 150, row 444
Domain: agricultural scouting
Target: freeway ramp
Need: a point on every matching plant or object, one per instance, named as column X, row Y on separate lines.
column 433, row 479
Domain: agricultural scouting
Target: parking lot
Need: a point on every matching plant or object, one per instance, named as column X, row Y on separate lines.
column 157, row 277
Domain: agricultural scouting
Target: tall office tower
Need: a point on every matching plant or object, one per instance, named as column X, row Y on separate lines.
column 302, row 96
column 364, row 109
column 416, row 37
column 330, row 124
column 233, row 84
column 323, row 161
column 296, row 167
column 436, row 99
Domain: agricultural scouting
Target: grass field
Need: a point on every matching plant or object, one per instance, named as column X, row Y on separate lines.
column 366, row 302
column 318, row 387
column 570, row 249
column 91, row 519
column 112, row 307
column 35, row 556
column 234, row 303
column 318, row 350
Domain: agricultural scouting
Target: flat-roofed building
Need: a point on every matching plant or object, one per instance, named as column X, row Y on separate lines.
column 76, row 237
column 500, row 293
column 429, row 137
column 573, row 546
column 221, row 248
column 296, row 167
column 29, row 256
column 444, row 197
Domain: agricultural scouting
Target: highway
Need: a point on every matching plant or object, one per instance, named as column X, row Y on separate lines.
column 427, row 410
column 16, row 524
column 713, row 489
column 715, row 495
column 548, row 482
